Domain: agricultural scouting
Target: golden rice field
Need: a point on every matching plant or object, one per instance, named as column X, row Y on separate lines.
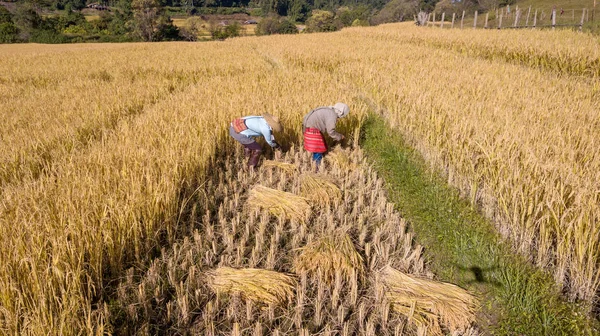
column 116, row 209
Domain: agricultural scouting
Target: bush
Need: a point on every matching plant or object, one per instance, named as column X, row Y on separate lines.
column 322, row 21
column 349, row 15
column 360, row 23
column 47, row 36
column 75, row 30
column 223, row 32
column 274, row 25
column 8, row 33
column 255, row 12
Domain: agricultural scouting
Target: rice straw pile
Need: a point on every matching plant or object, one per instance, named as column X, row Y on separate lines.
column 319, row 189
column 257, row 285
column 328, row 255
column 279, row 203
column 425, row 301
column 284, row 166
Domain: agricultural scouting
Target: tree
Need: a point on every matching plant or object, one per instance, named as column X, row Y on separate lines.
column 396, row 11
column 145, row 18
column 26, row 18
column 5, row 15
column 192, row 29
column 322, row 21
column 299, row 10
column 149, row 21
column 273, row 25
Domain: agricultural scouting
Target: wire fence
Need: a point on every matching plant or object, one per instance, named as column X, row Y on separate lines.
column 505, row 18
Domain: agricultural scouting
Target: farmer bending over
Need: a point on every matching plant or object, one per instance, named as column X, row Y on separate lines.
column 319, row 121
column 245, row 129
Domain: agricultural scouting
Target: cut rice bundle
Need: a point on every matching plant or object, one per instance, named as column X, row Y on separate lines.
column 257, row 285
column 319, row 189
column 279, row 203
column 426, row 301
column 328, row 255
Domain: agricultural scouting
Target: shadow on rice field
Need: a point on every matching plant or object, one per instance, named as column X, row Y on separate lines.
column 462, row 247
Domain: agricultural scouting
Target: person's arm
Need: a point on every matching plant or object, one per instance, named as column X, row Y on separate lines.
column 330, row 122
column 265, row 129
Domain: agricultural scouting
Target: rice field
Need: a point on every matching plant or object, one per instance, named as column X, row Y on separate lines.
column 116, row 211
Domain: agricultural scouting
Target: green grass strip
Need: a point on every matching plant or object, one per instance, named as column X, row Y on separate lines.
column 462, row 246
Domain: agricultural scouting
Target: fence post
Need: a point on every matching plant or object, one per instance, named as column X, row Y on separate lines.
column 582, row 17
column 573, row 14
column 535, row 18
column 500, row 21
column 443, row 17
column 553, row 18
column 587, row 12
column 475, row 20
column 527, row 21
column 453, row 16
column 462, row 20
column 486, row 20
column 517, row 14
column 434, row 18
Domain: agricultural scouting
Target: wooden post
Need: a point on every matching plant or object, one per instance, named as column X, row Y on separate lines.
column 587, row 12
column 434, row 17
column 553, row 18
column 462, row 20
column 500, row 21
column 453, row 15
column 527, row 21
column 475, row 20
column 517, row 14
column 443, row 17
column 486, row 20
column 573, row 14
column 535, row 19
column 582, row 18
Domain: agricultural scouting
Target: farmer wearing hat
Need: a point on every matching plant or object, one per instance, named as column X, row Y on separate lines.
column 319, row 121
column 245, row 129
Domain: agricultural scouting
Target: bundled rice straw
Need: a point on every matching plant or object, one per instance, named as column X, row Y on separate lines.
column 319, row 189
column 425, row 301
column 258, row 285
column 329, row 254
column 279, row 203
column 286, row 167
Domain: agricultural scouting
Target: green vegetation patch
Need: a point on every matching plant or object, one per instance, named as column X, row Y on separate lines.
column 462, row 246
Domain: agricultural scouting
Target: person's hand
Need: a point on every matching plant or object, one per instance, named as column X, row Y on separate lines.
column 276, row 145
column 343, row 137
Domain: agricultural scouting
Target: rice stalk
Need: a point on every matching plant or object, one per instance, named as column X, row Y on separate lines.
column 258, row 285
column 340, row 158
column 283, row 166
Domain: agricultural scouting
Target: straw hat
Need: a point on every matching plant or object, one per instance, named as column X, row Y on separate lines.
column 273, row 121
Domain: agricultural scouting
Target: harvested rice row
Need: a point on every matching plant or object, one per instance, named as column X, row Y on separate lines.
column 251, row 268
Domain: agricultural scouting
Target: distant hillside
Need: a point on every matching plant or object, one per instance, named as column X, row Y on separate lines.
column 564, row 4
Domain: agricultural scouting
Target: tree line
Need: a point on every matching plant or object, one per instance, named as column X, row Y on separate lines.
column 61, row 21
